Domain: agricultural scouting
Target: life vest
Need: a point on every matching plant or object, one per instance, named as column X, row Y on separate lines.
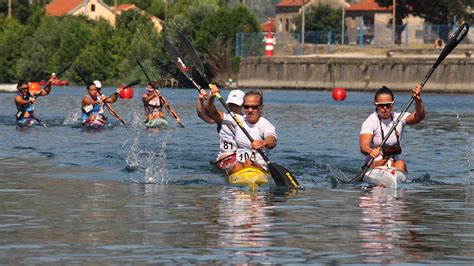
column 389, row 150
column 28, row 108
column 154, row 106
column 88, row 110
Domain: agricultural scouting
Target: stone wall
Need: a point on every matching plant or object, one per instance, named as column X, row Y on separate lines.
column 356, row 73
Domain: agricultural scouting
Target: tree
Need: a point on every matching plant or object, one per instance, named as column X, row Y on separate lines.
column 215, row 39
column 321, row 18
column 11, row 39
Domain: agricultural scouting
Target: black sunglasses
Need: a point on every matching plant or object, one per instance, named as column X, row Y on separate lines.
column 251, row 106
column 386, row 105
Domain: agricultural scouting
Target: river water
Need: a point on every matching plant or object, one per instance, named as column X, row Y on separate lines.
column 130, row 195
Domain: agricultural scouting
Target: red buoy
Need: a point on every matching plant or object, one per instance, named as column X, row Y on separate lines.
column 126, row 93
column 34, row 87
column 339, row 94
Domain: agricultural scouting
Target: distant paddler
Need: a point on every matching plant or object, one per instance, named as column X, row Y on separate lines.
column 227, row 146
column 25, row 100
column 259, row 128
column 93, row 105
column 378, row 124
column 154, row 102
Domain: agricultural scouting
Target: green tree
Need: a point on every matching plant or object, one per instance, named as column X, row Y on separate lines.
column 11, row 39
column 215, row 39
column 320, row 18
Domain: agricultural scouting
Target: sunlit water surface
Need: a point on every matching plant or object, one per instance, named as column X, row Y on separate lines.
column 132, row 195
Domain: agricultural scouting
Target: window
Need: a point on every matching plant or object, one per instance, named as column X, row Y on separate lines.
column 92, row 8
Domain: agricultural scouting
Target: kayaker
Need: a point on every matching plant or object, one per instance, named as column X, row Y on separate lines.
column 93, row 103
column 227, row 146
column 154, row 103
column 261, row 130
column 377, row 125
column 24, row 101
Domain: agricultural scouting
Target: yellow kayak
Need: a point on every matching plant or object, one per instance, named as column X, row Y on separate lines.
column 249, row 176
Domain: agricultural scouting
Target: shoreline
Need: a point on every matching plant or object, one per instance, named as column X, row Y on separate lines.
column 357, row 71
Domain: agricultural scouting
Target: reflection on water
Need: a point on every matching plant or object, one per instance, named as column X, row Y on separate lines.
column 383, row 225
column 245, row 218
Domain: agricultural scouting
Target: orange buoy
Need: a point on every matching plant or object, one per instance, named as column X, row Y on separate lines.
column 126, row 93
column 34, row 87
column 339, row 94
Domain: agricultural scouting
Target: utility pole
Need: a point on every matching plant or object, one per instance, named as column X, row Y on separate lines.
column 394, row 5
column 302, row 23
column 342, row 24
column 9, row 8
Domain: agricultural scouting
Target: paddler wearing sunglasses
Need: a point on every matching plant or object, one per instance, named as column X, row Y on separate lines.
column 24, row 101
column 261, row 130
column 378, row 124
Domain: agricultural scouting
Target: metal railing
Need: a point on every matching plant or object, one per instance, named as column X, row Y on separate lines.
column 253, row 44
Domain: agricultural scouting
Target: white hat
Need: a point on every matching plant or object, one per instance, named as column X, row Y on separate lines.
column 98, row 84
column 236, row 97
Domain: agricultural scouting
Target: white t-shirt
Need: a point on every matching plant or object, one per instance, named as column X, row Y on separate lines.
column 258, row 131
column 372, row 126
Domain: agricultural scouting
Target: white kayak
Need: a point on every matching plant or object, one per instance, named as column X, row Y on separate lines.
column 386, row 176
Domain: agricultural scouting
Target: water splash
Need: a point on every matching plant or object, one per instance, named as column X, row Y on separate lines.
column 73, row 118
column 156, row 171
column 465, row 127
column 132, row 160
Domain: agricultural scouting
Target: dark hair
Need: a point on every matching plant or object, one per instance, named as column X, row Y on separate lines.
column 255, row 92
column 154, row 84
column 383, row 90
column 90, row 84
column 20, row 83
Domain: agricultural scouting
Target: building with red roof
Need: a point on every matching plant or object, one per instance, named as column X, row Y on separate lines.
column 96, row 9
column 93, row 9
column 373, row 22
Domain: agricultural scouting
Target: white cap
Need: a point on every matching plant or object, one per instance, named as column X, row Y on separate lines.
column 98, row 84
column 53, row 74
column 236, row 97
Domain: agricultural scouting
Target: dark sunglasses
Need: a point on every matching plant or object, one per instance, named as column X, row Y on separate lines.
column 385, row 104
column 251, row 106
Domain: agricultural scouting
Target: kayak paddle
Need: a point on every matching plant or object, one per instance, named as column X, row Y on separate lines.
column 457, row 37
column 280, row 174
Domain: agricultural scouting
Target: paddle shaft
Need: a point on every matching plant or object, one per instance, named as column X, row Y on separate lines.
column 457, row 37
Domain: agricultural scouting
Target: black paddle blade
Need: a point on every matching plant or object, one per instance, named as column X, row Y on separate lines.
column 64, row 70
column 79, row 72
column 283, row 177
column 453, row 41
column 191, row 52
column 175, row 56
column 133, row 83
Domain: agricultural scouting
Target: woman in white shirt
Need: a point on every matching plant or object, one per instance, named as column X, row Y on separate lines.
column 259, row 128
column 377, row 125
